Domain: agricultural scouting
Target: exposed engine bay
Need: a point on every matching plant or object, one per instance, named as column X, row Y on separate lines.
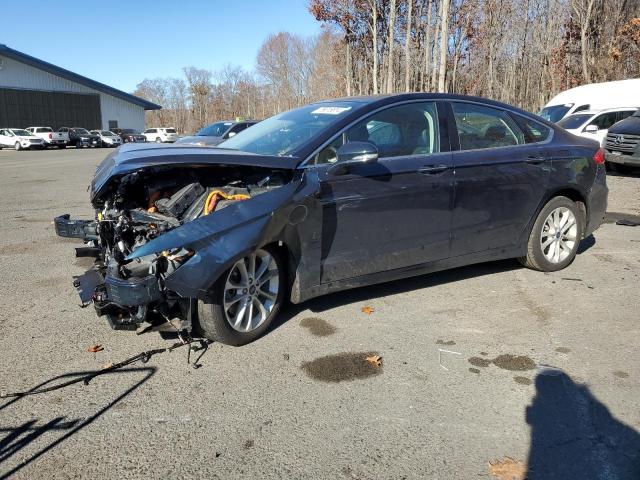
column 140, row 207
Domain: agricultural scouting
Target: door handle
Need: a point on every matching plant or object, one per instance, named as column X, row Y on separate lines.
column 535, row 159
column 432, row 169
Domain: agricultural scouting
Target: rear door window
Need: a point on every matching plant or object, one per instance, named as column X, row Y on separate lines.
column 624, row 114
column 481, row 127
column 534, row 132
column 605, row 120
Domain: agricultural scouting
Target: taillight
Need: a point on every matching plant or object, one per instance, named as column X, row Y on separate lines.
column 51, row 135
column 599, row 157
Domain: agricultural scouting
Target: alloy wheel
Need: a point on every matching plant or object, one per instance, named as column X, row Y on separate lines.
column 559, row 235
column 251, row 291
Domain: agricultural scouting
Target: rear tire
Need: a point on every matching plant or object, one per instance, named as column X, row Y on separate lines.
column 236, row 299
column 62, row 146
column 555, row 236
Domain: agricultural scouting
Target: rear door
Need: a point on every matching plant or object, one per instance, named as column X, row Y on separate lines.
column 393, row 213
column 500, row 179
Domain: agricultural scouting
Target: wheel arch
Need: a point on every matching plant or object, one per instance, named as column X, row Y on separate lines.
column 576, row 196
column 572, row 193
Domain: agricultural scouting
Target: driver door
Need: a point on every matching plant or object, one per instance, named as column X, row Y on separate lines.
column 391, row 213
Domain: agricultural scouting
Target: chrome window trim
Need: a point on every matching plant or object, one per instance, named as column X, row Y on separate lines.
column 305, row 164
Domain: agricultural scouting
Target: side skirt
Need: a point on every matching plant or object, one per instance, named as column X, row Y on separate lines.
column 412, row 271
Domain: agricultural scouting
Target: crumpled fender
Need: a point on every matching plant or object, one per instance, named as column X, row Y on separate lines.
column 199, row 232
column 222, row 237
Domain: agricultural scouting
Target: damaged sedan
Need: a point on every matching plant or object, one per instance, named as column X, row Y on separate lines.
column 333, row 195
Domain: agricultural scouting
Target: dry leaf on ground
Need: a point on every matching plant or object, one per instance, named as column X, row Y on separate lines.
column 367, row 310
column 375, row 360
column 95, row 348
column 107, row 366
column 508, row 469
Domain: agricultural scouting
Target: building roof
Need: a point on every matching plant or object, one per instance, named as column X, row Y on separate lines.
column 74, row 77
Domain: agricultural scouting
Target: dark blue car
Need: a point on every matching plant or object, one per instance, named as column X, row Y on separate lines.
column 333, row 195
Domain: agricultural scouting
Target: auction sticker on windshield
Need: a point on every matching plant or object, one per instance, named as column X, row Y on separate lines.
column 331, row 110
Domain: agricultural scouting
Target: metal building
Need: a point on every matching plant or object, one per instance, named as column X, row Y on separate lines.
column 36, row 93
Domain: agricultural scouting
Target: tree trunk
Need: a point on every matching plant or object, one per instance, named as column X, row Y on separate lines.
column 407, row 49
column 392, row 25
column 434, row 63
column 427, row 47
column 584, row 44
column 374, row 73
column 444, row 40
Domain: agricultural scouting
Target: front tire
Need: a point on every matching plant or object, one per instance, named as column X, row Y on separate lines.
column 78, row 144
column 158, row 140
column 555, row 236
column 17, row 147
column 245, row 299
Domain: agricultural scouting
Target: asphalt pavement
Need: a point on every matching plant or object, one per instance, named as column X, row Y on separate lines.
column 485, row 369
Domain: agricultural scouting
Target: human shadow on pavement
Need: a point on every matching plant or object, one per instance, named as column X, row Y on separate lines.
column 574, row 436
column 15, row 438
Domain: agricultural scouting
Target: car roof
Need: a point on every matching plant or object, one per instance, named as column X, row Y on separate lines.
column 592, row 113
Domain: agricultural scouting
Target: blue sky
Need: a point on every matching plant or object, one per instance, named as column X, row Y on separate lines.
column 120, row 43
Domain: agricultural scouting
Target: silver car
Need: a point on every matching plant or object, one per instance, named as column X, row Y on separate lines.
column 216, row 133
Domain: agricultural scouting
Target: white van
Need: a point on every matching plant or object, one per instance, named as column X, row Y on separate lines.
column 593, row 97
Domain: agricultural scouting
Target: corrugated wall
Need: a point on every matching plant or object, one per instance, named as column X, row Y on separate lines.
column 14, row 74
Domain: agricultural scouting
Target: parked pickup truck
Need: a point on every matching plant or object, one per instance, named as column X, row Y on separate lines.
column 51, row 138
column 80, row 137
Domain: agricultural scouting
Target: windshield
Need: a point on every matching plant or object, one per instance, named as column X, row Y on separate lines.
column 106, row 133
column 214, row 130
column 555, row 112
column 44, row 130
column 282, row 134
column 80, row 131
column 21, row 133
column 574, row 121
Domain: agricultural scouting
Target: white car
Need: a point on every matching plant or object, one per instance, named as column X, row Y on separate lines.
column 50, row 137
column 108, row 138
column 161, row 135
column 595, row 125
column 19, row 139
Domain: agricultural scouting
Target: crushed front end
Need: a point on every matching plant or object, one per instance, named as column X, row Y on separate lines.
column 134, row 209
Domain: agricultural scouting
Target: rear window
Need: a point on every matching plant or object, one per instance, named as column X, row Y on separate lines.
column 45, row 130
column 171, row 130
column 574, row 121
column 555, row 113
column 533, row 131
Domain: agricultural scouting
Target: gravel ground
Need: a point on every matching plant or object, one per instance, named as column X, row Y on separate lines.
column 478, row 364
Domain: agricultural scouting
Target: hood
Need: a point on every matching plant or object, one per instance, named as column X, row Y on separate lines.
column 201, row 140
column 133, row 157
column 628, row 126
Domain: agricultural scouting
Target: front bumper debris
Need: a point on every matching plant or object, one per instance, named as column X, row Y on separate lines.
column 65, row 227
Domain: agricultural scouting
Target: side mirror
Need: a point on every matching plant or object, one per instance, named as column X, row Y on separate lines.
column 591, row 128
column 357, row 152
column 231, row 134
